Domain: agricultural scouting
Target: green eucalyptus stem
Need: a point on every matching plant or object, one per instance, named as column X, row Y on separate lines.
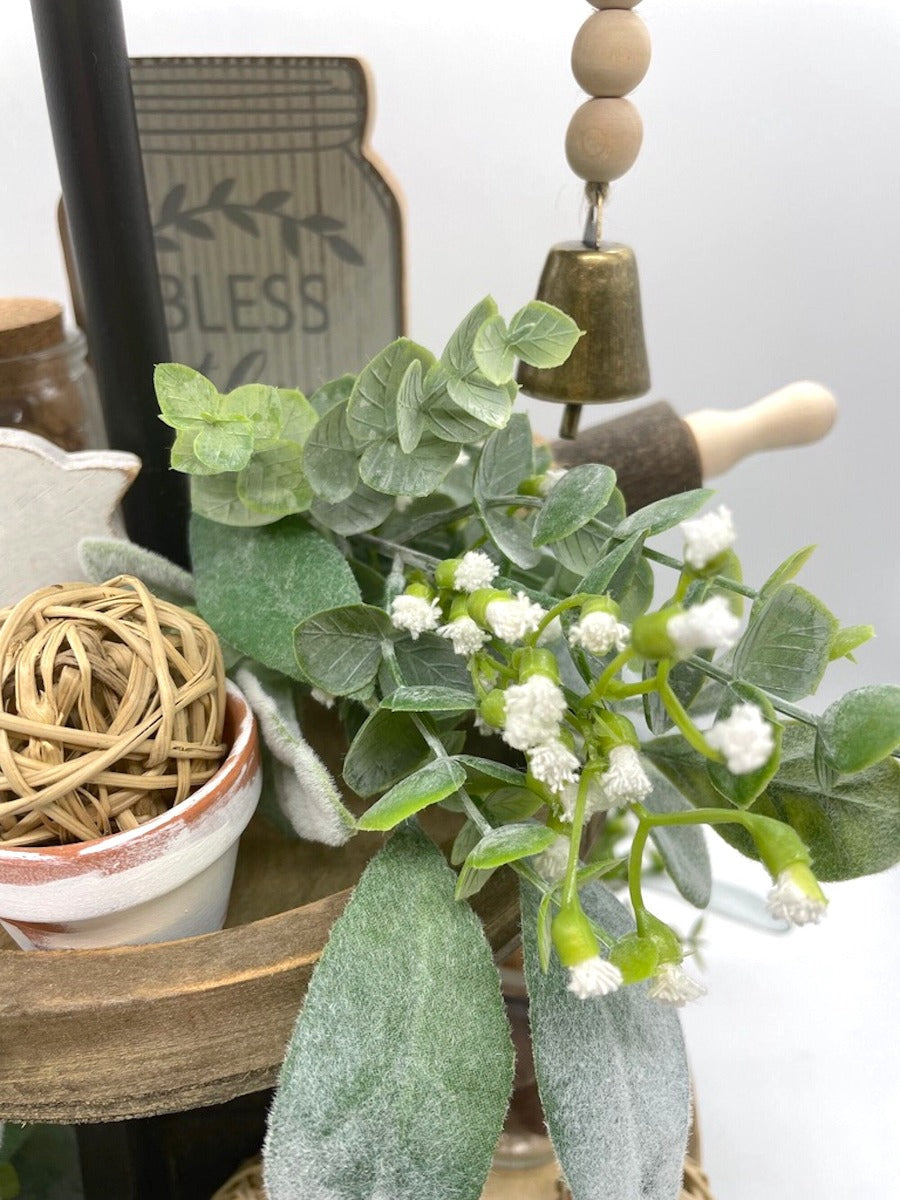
column 564, row 605
column 413, row 558
column 679, row 715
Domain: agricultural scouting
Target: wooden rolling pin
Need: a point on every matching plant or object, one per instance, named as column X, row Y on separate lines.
column 657, row 453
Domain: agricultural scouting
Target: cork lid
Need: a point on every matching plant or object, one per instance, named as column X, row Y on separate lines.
column 29, row 325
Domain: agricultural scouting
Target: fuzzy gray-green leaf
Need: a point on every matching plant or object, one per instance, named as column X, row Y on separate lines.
column 663, row 514
column 387, row 748
column 331, row 458
column 391, row 1088
column 104, row 558
column 386, row 468
column 254, row 586
column 861, row 728
column 372, row 407
column 609, row 1070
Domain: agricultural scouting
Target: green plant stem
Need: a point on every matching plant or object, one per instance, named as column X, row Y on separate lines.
column 610, row 671
column 648, row 821
column 413, row 558
column 676, row 711
column 564, row 605
column 570, row 884
column 625, row 691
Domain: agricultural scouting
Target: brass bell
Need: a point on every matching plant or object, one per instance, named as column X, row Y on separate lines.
column 598, row 287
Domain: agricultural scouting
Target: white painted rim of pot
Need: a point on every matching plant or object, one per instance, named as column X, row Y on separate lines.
column 88, row 879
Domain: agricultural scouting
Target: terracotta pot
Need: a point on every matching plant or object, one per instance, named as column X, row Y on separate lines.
column 169, row 879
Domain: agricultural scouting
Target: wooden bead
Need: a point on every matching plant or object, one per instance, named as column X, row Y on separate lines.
column 614, row 3
column 611, row 53
column 604, row 139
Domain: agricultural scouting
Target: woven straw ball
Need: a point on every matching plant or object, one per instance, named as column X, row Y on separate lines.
column 113, row 704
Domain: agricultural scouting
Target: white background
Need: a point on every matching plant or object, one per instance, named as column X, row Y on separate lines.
column 763, row 211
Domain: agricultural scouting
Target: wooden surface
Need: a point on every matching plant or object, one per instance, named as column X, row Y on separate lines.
column 107, row 1035
column 279, row 237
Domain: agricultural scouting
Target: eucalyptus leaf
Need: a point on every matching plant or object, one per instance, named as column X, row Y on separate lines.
column 543, row 336
column 459, row 353
column 609, row 1070
column 307, row 796
column 429, row 785
column 509, row 843
column 273, row 482
column 340, row 650
column 785, row 649
column 852, row 828
column 410, row 419
column 391, row 1089
column 512, row 536
column 513, row 804
column 255, row 586
column 225, row 446
column 386, row 468
column 447, row 421
column 664, row 514
column 105, row 558
column 861, row 728
column 183, row 394
column 581, row 493
column 467, row 839
column 429, row 699
column 216, row 498
column 494, row 356
column 331, row 459
column 581, row 551
column 365, row 509
column 507, row 459
column 331, row 394
column 682, row 848
column 372, row 407
column 387, row 748
column 488, row 402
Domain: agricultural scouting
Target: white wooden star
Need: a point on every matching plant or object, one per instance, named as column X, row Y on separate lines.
column 50, row 501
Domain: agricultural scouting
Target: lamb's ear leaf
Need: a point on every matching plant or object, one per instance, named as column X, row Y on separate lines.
column 104, row 558
column 608, row 1070
column 304, row 793
column 391, row 1086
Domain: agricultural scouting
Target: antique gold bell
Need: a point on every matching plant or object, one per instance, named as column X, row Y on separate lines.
column 597, row 285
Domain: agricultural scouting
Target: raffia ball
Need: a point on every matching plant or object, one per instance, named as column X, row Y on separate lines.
column 611, row 54
column 113, row 706
column 604, row 139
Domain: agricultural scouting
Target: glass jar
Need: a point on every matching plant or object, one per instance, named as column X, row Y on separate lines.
column 46, row 385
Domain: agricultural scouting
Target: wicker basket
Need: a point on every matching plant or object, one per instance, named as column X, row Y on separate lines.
column 247, row 1184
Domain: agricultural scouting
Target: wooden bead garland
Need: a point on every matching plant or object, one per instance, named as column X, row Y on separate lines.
column 611, row 54
column 610, row 57
column 604, row 139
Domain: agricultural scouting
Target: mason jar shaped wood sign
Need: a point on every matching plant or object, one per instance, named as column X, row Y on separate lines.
column 278, row 237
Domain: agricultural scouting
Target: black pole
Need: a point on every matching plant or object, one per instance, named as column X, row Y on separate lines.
column 84, row 62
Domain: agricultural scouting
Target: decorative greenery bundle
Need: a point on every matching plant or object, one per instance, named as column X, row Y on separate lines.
column 399, row 545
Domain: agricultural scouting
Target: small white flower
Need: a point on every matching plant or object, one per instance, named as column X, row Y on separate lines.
column 512, row 619
column 745, row 738
column 707, row 537
column 594, row 977
column 324, row 698
column 534, row 710
column 554, row 764
column 624, row 781
column 598, row 633
column 672, row 985
column 551, row 864
column 415, row 614
column 466, row 635
column 475, row 571
column 549, row 480
column 790, row 900
column 707, row 626
column 462, row 459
